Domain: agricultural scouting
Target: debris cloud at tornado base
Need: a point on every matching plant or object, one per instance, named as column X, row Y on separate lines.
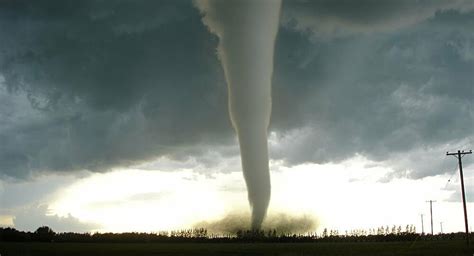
column 247, row 30
column 282, row 223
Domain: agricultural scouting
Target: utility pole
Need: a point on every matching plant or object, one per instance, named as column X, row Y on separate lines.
column 422, row 225
column 441, row 224
column 431, row 213
column 460, row 155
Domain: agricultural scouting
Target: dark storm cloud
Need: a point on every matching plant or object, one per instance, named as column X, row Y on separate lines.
column 325, row 19
column 110, row 83
column 98, row 84
column 403, row 97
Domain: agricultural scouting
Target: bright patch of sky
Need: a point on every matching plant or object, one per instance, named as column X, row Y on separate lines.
column 344, row 196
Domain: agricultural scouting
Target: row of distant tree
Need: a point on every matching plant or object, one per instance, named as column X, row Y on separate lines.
column 382, row 230
column 46, row 234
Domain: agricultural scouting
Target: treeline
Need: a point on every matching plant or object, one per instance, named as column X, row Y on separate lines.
column 46, row 234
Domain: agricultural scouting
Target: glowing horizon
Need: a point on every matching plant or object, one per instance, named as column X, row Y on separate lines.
column 132, row 200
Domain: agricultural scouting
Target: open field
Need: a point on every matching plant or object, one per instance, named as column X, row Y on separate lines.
column 287, row 249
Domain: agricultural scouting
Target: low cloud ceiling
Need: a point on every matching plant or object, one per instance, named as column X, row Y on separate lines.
column 95, row 85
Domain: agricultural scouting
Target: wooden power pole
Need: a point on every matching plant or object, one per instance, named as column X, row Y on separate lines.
column 431, row 213
column 460, row 155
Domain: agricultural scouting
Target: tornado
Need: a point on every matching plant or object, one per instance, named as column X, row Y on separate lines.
column 247, row 30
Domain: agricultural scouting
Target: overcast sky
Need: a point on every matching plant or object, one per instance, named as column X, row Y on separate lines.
column 90, row 87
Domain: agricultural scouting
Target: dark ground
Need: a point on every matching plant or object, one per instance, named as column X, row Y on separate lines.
column 432, row 248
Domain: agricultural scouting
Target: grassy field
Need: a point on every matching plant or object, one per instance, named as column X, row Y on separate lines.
column 286, row 249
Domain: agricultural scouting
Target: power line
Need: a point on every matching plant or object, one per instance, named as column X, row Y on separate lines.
column 431, row 213
column 454, row 169
column 459, row 155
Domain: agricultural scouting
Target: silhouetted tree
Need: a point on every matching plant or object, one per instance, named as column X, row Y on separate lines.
column 13, row 235
column 44, row 234
column 325, row 233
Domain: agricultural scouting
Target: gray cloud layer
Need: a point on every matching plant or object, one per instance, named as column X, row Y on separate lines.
column 93, row 85
column 29, row 219
column 107, row 85
column 403, row 97
column 325, row 19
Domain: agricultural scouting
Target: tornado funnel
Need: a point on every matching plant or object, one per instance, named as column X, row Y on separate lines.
column 247, row 30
